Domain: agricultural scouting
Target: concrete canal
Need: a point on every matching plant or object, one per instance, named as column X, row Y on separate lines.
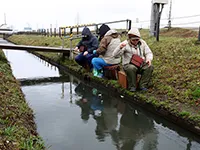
column 71, row 115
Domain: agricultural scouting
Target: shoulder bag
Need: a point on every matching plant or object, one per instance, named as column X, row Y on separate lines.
column 137, row 60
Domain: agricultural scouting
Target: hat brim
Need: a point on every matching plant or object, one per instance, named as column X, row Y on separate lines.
column 134, row 38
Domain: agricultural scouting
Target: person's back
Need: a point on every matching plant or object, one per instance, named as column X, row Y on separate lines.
column 114, row 39
column 107, row 45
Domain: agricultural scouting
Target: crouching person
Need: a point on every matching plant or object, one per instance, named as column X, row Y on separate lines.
column 107, row 45
column 86, row 46
column 135, row 45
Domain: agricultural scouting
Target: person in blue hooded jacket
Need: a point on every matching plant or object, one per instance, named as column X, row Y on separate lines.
column 86, row 46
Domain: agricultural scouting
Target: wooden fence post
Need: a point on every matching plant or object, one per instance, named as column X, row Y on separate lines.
column 51, row 32
column 47, row 32
column 54, row 32
column 77, row 30
column 71, row 31
column 97, row 30
column 59, row 32
column 65, row 33
column 129, row 24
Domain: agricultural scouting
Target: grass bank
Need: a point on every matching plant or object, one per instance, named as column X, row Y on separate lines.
column 17, row 127
column 176, row 79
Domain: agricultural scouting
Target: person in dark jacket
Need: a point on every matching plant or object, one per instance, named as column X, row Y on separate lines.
column 86, row 46
column 102, row 30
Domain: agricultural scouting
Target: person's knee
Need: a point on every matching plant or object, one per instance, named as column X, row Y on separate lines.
column 77, row 59
column 150, row 68
column 132, row 68
column 94, row 61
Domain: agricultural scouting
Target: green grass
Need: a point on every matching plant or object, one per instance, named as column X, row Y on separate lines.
column 196, row 93
column 184, row 114
column 9, row 131
column 32, row 143
column 16, row 118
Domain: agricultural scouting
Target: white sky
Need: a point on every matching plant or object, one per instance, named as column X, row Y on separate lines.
column 42, row 13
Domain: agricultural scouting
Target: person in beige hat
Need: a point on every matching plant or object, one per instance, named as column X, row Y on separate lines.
column 135, row 45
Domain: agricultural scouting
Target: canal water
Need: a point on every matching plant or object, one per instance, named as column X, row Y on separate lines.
column 70, row 115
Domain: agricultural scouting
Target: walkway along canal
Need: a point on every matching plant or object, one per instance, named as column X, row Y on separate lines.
column 72, row 115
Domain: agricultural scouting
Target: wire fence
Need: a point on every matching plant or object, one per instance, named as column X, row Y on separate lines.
column 191, row 20
column 175, row 21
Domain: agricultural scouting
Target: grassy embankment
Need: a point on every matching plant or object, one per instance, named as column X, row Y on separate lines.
column 17, row 127
column 176, row 79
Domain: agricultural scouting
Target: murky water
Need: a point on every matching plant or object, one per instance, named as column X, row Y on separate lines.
column 73, row 116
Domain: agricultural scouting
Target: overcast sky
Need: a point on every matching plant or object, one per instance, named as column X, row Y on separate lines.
column 43, row 13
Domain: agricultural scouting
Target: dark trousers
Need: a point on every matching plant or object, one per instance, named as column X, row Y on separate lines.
column 84, row 60
column 131, row 72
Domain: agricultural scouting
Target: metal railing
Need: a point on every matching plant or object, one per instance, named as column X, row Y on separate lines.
column 62, row 30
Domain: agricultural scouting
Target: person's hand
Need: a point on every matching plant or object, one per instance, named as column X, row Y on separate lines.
column 85, row 100
column 76, row 49
column 94, row 51
column 148, row 62
column 85, row 53
column 122, row 45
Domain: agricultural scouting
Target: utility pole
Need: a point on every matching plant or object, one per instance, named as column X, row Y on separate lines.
column 152, row 21
column 170, row 13
column 5, row 18
column 50, row 30
column 77, row 19
column 199, row 35
column 77, row 22
column 156, row 11
column 158, row 21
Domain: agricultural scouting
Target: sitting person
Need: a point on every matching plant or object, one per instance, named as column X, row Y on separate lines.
column 135, row 45
column 86, row 46
column 106, row 47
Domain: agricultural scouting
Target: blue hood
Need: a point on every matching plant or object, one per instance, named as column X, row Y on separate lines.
column 86, row 31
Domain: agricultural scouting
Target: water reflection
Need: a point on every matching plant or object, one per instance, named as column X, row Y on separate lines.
column 117, row 124
column 25, row 65
column 90, row 102
column 128, row 127
column 135, row 127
